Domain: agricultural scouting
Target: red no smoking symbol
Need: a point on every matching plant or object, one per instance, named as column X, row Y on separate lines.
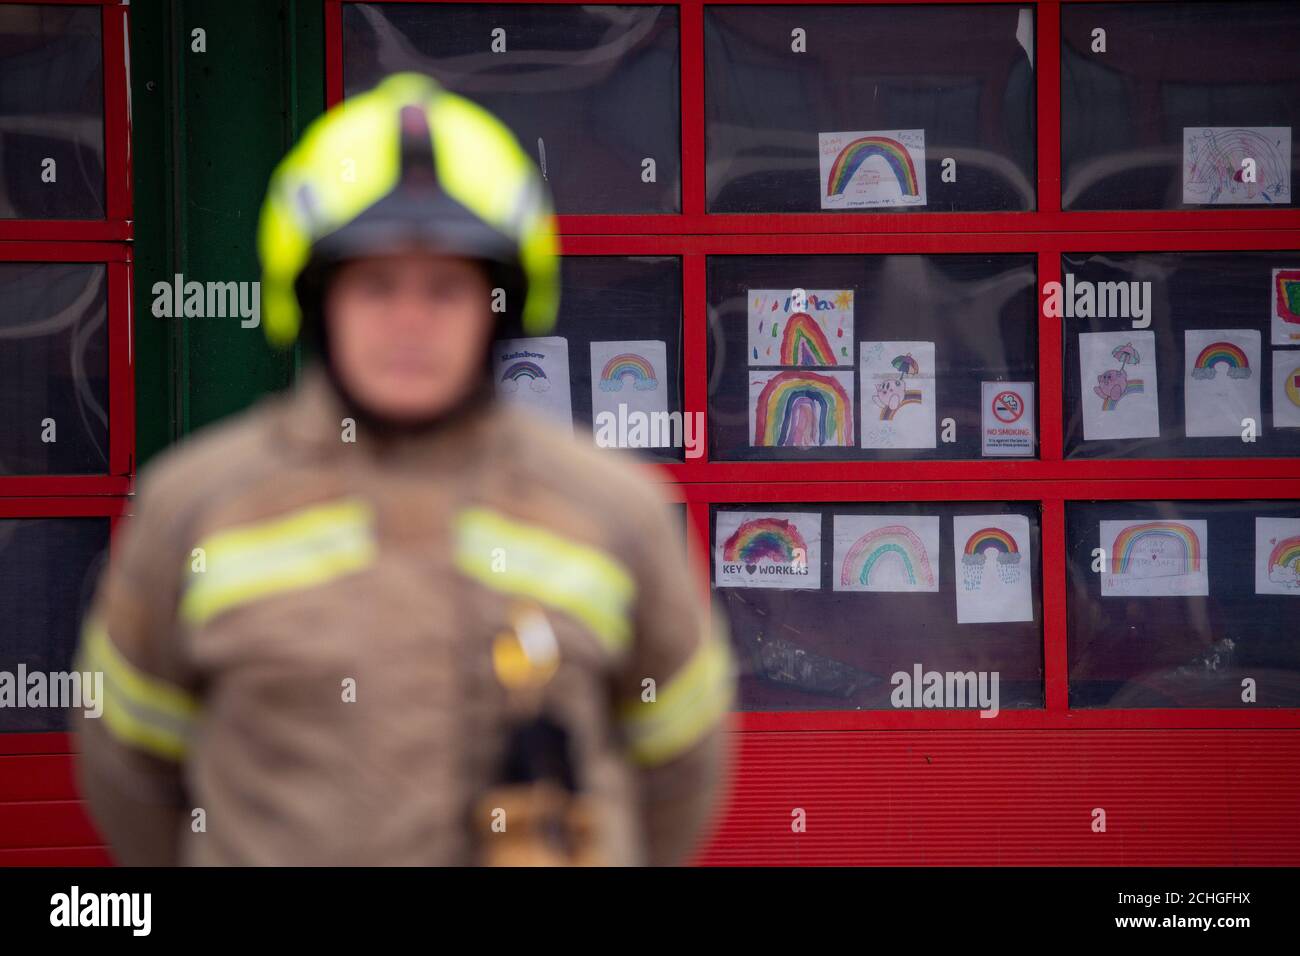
column 1007, row 407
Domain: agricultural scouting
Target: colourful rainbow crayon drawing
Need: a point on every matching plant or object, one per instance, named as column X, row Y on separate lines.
column 852, row 156
column 804, row 343
column 911, row 396
column 765, row 539
column 1287, row 291
column 896, row 544
column 525, row 370
column 802, row 409
column 1157, row 536
column 1221, row 353
column 1132, row 386
column 628, row 364
column 975, row 555
column 1284, row 562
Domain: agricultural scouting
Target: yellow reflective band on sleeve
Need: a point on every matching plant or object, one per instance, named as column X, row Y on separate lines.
column 305, row 549
column 530, row 561
column 140, row 710
column 696, row 698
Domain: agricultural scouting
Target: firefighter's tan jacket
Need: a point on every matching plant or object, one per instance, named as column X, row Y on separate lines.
column 295, row 632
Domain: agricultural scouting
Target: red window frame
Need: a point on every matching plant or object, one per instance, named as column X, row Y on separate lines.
column 87, row 240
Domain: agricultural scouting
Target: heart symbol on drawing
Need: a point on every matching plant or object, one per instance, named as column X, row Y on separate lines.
column 751, row 568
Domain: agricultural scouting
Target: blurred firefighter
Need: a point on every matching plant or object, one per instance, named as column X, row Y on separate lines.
column 385, row 618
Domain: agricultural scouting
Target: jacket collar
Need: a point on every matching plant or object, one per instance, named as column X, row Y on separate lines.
column 315, row 423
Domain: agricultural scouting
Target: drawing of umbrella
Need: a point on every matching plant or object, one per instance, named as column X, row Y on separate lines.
column 906, row 365
column 1126, row 353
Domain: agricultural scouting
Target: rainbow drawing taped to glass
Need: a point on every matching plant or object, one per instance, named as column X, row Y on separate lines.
column 1165, row 547
column 628, row 365
column 895, row 546
column 1114, row 384
column 765, row 539
column 852, row 156
column 1284, row 562
column 524, row 370
column 803, row 409
column 975, row 556
column 804, row 343
column 1286, row 301
column 1221, row 353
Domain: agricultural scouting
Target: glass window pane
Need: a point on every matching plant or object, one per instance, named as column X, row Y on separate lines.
column 1182, row 93
column 1211, row 361
column 51, row 112
column 620, row 335
column 1193, row 598
column 878, row 595
column 53, row 368
column 591, row 91
column 48, row 571
column 785, row 86
column 964, row 320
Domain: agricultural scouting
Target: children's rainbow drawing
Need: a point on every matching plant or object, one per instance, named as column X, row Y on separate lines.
column 624, row 366
column 765, row 539
column 975, row 555
column 1224, row 353
column 802, row 409
column 804, row 343
column 893, row 544
column 1284, row 562
column 851, row 157
column 1169, row 544
column 1286, row 291
column 525, row 370
column 1131, row 387
column 911, row 396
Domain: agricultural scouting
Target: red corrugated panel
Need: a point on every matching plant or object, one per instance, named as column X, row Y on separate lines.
column 901, row 798
column 36, row 777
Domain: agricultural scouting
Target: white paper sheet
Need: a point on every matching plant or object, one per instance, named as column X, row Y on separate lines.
column 1233, row 165
column 1220, row 381
column 1277, row 556
column 1286, row 388
column 767, row 549
column 991, row 567
column 629, row 384
column 1118, row 380
column 872, row 168
column 534, row 373
column 898, row 395
column 800, row 408
column 815, row 329
column 1007, row 419
column 886, row 553
column 1154, row 558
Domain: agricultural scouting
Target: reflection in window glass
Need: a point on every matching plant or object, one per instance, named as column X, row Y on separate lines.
column 48, row 571
column 1211, row 361
column 591, row 91
column 53, row 368
column 1192, row 598
column 894, row 90
column 1182, row 94
column 51, row 112
column 827, row 603
column 885, row 350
